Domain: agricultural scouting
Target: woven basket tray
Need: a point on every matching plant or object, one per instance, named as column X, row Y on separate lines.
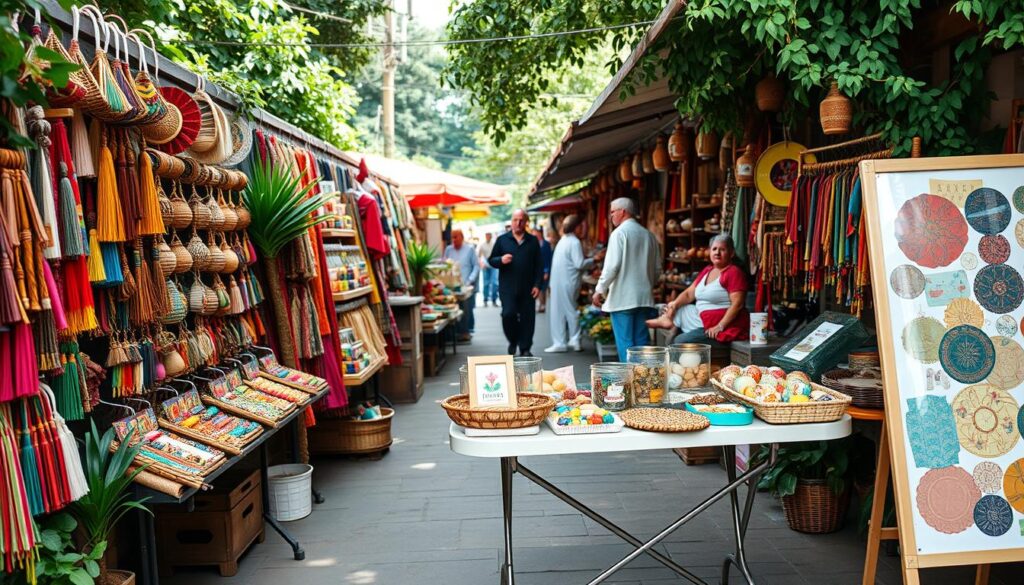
column 664, row 420
column 532, row 410
column 784, row 413
column 863, row 396
column 234, row 447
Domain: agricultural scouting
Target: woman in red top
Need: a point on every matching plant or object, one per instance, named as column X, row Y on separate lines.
column 714, row 306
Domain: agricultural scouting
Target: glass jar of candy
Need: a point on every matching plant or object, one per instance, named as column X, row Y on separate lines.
column 529, row 375
column 689, row 367
column 610, row 384
column 650, row 367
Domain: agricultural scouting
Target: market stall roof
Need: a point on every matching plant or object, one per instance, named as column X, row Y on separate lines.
column 557, row 204
column 424, row 187
column 612, row 126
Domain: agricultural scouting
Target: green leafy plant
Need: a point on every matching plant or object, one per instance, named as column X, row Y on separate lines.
column 59, row 563
column 813, row 460
column 596, row 324
column 281, row 208
column 420, row 257
column 109, row 498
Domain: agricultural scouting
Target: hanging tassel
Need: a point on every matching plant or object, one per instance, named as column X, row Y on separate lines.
column 19, row 530
column 152, row 218
column 71, row 239
column 111, row 261
column 127, row 185
column 109, row 220
column 42, row 187
column 237, row 301
column 143, row 303
column 83, row 153
column 27, row 456
column 46, row 341
column 26, row 368
column 97, row 270
column 10, row 303
column 56, row 305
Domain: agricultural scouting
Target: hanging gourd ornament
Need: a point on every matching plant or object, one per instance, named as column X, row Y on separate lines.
column 745, row 168
column 836, row 112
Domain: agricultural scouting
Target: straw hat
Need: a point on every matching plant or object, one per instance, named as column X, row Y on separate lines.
column 176, row 131
column 241, row 140
column 213, row 145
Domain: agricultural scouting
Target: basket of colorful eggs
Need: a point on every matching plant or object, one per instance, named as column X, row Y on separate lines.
column 778, row 397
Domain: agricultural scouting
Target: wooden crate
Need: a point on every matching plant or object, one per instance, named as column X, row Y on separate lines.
column 699, row 455
column 223, row 525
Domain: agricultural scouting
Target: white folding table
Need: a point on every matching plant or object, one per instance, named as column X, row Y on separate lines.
column 509, row 449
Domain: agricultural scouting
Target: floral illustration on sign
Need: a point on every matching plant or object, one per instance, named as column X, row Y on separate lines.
column 492, row 384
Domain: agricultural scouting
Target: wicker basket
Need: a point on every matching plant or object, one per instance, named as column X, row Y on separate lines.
column 532, row 410
column 815, row 508
column 350, row 437
column 863, row 396
column 784, row 413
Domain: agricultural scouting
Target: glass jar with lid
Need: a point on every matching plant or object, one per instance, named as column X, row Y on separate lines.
column 650, row 368
column 610, row 385
column 529, row 374
column 689, row 367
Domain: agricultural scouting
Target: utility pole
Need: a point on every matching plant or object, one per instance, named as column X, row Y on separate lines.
column 390, row 64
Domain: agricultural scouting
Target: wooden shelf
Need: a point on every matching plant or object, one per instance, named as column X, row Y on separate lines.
column 710, row 206
column 355, row 293
column 680, row 210
column 674, row 261
column 338, row 233
column 361, row 378
column 677, row 234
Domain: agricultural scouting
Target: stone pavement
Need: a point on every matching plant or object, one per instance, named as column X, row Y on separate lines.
column 424, row 515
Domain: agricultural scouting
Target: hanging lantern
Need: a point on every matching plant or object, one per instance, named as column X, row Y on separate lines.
column 660, row 157
column 706, row 145
column 637, row 166
column 836, row 112
column 745, row 168
column 648, row 161
column 770, row 94
column 677, row 144
column 625, row 173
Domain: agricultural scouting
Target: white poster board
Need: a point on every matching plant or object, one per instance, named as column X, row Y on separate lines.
column 946, row 242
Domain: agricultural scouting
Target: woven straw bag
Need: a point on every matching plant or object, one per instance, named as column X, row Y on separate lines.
column 231, row 260
column 79, row 82
column 182, row 212
column 182, row 258
column 199, row 251
column 223, row 298
column 201, row 215
column 166, row 207
column 207, row 138
column 178, row 303
column 215, row 260
column 156, row 106
column 217, row 218
column 119, row 108
column 139, row 112
column 165, row 256
column 230, row 215
column 244, row 217
column 94, row 101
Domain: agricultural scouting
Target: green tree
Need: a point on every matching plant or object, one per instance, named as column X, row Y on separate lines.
column 268, row 61
column 716, row 51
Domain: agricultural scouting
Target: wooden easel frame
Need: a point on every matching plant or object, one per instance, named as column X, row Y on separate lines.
column 911, row 562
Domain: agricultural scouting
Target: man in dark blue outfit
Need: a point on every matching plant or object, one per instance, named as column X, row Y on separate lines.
column 516, row 255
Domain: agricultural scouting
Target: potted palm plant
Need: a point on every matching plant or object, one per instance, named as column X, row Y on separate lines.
column 812, row 478
column 109, row 499
column 420, row 257
column 282, row 211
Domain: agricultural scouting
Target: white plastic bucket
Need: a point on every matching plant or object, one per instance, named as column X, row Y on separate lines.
column 290, row 491
column 759, row 329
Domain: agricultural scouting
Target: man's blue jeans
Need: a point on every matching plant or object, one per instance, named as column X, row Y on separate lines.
column 490, row 284
column 630, row 328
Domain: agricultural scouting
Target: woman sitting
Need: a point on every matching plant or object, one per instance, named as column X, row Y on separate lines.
column 714, row 306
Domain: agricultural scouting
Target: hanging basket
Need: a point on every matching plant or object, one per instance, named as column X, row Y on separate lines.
column 770, row 94
column 745, row 168
column 815, row 508
column 706, row 145
column 836, row 112
column 660, row 157
column 677, row 143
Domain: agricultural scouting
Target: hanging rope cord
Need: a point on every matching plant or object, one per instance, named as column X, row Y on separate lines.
column 590, row 30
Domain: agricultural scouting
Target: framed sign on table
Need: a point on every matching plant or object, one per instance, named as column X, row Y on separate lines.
column 946, row 244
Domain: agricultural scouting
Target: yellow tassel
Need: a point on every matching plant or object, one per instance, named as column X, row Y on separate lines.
column 152, row 220
column 109, row 221
column 96, row 271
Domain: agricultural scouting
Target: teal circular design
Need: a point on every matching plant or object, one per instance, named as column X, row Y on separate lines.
column 967, row 354
column 1020, row 421
column 987, row 211
column 1018, row 198
column 999, row 288
column 993, row 515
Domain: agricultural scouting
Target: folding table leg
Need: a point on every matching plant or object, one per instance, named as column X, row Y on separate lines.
column 741, row 521
column 297, row 551
column 507, row 469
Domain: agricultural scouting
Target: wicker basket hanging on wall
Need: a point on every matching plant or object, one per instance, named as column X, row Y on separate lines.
column 770, row 94
column 836, row 112
column 660, row 157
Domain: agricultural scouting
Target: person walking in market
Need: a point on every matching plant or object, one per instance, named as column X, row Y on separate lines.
column 490, row 274
column 516, row 256
column 464, row 256
column 545, row 255
column 567, row 267
column 625, row 289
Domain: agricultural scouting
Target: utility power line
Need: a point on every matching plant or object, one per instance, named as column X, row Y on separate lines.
column 424, row 43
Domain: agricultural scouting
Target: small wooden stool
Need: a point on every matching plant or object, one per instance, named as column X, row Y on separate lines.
column 876, row 532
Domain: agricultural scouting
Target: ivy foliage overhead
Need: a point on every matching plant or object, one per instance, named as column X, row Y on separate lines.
column 716, row 51
column 307, row 86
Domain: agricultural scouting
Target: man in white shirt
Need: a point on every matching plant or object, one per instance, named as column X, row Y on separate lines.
column 628, row 277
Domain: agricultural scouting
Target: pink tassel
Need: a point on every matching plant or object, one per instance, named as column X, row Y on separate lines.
column 56, row 305
column 26, row 366
column 6, row 365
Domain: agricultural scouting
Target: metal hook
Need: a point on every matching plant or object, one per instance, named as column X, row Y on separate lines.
column 185, row 381
column 115, row 405
column 142, row 400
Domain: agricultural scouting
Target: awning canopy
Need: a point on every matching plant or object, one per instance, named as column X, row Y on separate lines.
column 424, row 187
column 558, row 204
column 611, row 128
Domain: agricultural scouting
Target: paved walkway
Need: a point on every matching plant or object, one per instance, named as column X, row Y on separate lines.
column 424, row 515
